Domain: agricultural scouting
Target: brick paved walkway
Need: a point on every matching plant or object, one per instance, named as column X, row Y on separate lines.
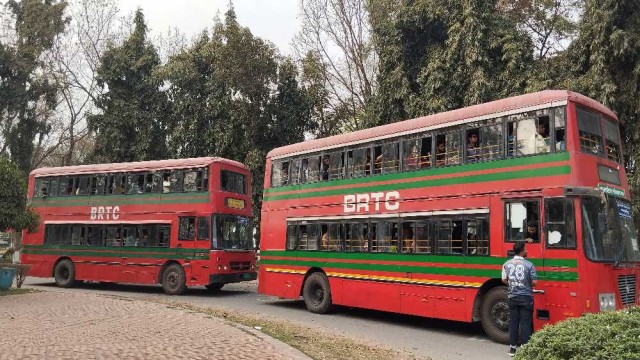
column 55, row 325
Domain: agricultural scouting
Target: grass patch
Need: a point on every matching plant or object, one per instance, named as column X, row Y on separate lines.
column 17, row 291
column 315, row 344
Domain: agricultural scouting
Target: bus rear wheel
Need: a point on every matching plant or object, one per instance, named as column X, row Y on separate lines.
column 65, row 273
column 495, row 314
column 317, row 293
column 214, row 287
column 174, row 280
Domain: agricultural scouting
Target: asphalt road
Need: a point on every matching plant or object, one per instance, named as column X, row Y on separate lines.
column 423, row 337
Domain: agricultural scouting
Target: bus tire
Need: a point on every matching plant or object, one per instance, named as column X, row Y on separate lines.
column 317, row 293
column 65, row 273
column 174, row 280
column 495, row 314
column 214, row 287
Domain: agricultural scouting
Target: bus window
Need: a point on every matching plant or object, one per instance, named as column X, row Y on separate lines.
column 118, row 184
column 407, row 238
column 303, row 238
column 560, row 223
column 384, row 236
column 66, row 187
column 522, row 220
column 612, row 139
column 186, row 228
column 490, row 139
column 456, row 237
column 295, row 171
column 325, row 167
column 314, row 169
column 163, row 236
column 423, row 238
column 292, row 236
column 357, row 162
column 41, row 188
column 176, row 181
column 377, row 156
column 189, row 181
column 443, row 236
column 335, row 166
column 589, row 131
column 473, row 147
column 150, row 183
column 83, row 186
column 477, row 237
column 559, row 128
column 330, row 239
column 53, row 187
column 390, row 158
column 77, row 235
column 356, row 236
column 203, row 228
column 131, row 236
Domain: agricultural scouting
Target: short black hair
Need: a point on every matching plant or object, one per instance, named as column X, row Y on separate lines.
column 532, row 224
column 518, row 247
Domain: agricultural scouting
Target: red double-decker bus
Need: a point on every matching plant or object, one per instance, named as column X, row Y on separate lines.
column 417, row 217
column 178, row 223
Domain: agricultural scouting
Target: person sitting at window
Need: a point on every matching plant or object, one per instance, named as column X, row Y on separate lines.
column 407, row 239
column 532, row 232
column 473, row 150
column 413, row 158
column 538, row 142
column 325, row 167
column 166, row 184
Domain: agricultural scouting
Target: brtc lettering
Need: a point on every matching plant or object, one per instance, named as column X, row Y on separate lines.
column 104, row 213
column 355, row 203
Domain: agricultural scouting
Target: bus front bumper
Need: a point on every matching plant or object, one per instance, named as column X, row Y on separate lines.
column 232, row 278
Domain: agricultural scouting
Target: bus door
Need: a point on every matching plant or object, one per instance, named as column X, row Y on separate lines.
column 558, row 260
column 203, row 246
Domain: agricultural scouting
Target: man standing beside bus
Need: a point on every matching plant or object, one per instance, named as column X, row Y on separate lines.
column 520, row 276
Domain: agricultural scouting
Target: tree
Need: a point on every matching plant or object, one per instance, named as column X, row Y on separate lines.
column 551, row 24
column 437, row 56
column 335, row 36
column 27, row 89
column 132, row 125
column 74, row 61
column 14, row 213
column 604, row 64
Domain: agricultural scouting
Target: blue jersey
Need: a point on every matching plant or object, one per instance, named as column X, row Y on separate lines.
column 520, row 273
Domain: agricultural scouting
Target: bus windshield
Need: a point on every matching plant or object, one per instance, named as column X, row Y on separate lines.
column 608, row 231
column 231, row 232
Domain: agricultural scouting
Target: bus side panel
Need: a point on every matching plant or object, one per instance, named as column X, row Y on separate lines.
column 282, row 285
column 105, row 270
column 41, row 266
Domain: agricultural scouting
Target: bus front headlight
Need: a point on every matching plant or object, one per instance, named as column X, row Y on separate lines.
column 607, row 301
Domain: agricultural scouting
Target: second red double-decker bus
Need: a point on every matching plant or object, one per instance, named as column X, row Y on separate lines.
column 178, row 223
column 417, row 217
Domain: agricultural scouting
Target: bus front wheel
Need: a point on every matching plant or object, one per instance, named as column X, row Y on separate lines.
column 317, row 293
column 495, row 314
column 65, row 273
column 173, row 280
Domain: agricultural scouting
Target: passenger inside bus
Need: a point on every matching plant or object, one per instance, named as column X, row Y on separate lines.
column 473, row 150
column 326, row 164
column 166, row 184
column 407, row 238
column 532, row 232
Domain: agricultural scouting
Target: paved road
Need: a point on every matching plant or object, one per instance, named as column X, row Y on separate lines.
column 91, row 325
column 423, row 337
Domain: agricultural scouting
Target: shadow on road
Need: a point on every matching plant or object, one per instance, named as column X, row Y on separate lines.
column 416, row 322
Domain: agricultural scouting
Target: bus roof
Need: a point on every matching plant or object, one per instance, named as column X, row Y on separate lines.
column 467, row 114
column 134, row 166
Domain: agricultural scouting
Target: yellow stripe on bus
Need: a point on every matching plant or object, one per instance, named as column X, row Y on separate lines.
column 382, row 278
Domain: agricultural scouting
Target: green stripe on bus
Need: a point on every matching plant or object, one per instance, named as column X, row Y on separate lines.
column 490, row 165
column 133, row 199
column 433, row 270
column 501, row 176
column 110, row 251
column 469, row 260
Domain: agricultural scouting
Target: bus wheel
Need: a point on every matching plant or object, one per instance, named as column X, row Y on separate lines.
column 317, row 293
column 214, row 287
column 495, row 314
column 65, row 273
column 173, row 280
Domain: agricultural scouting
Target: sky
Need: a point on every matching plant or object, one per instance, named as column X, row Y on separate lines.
column 272, row 20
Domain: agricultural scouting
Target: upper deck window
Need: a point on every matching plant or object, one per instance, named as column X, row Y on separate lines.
column 233, row 182
column 589, row 131
column 612, row 138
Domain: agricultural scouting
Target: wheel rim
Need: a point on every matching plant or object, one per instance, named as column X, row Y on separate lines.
column 172, row 279
column 64, row 274
column 317, row 295
column 500, row 315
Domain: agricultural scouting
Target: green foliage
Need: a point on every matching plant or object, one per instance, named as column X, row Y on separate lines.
column 606, row 335
column 437, row 56
column 15, row 214
column 604, row 64
column 132, row 126
column 27, row 93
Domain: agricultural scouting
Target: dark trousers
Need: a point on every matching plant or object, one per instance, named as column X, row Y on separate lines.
column 520, row 319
